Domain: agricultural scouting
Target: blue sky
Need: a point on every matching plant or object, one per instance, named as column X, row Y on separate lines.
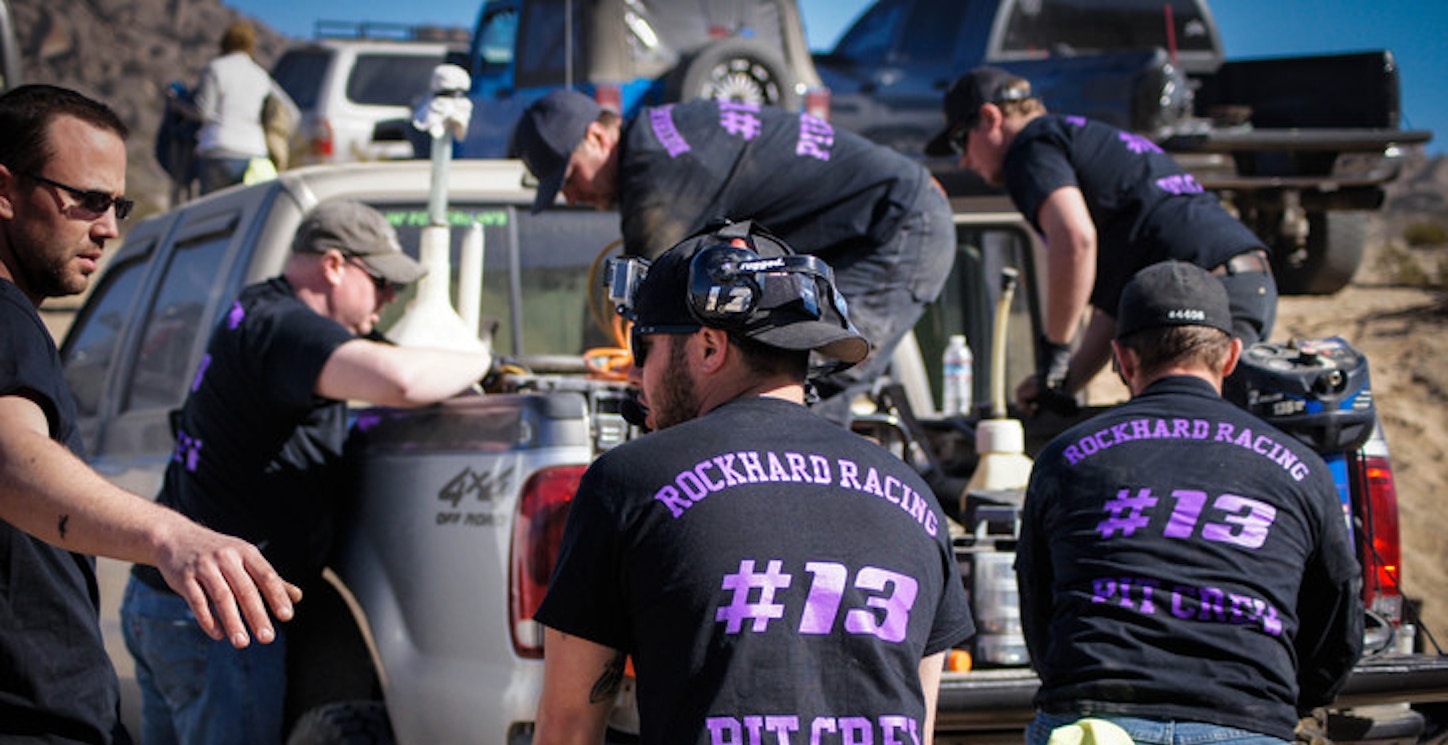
column 1413, row 29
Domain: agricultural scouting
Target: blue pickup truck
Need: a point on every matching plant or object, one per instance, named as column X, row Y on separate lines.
column 629, row 54
column 1300, row 147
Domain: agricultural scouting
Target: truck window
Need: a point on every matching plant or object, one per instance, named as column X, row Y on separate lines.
column 300, row 72
column 1063, row 27
column 382, row 79
column 869, row 39
column 967, row 304
column 496, row 35
column 95, row 337
column 541, row 53
column 931, row 31
column 555, row 252
column 174, row 326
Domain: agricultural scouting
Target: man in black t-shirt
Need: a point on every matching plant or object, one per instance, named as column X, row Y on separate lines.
column 258, row 442
column 62, row 177
column 1185, row 569
column 772, row 576
column 1108, row 203
column 876, row 216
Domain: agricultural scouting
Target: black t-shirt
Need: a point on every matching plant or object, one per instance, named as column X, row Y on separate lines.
column 256, row 448
column 1145, row 207
column 822, row 191
column 56, row 683
column 1181, row 559
column 765, row 569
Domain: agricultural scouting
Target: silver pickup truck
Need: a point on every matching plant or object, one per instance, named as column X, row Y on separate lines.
column 424, row 634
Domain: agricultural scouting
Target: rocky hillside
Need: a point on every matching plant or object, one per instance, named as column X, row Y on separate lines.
column 125, row 52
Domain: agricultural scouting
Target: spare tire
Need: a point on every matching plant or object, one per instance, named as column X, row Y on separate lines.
column 1334, row 252
column 735, row 69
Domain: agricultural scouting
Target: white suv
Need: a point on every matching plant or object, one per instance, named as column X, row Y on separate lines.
column 356, row 96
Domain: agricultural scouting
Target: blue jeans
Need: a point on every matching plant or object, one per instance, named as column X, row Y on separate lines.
column 1153, row 731
column 219, row 173
column 888, row 287
column 196, row 691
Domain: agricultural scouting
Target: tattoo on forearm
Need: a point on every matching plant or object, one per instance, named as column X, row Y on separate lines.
column 607, row 685
column 64, row 526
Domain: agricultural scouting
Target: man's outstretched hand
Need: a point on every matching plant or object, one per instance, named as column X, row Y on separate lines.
column 226, row 580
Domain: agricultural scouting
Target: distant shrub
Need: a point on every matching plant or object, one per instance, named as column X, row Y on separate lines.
column 1401, row 267
column 1425, row 233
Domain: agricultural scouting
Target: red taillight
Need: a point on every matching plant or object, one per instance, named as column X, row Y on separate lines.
column 609, row 96
column 817, row 102
column 1378, row 543
column 537, row 533
column 323, row 142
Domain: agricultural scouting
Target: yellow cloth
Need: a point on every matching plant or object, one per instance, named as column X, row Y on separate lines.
column 1089, row 731
column 258, row 170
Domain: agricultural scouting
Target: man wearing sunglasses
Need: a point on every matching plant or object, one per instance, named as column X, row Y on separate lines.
column 773, row 576
column 258, row 442
column 876, row 216
column 62, row 177
column 1108, row 203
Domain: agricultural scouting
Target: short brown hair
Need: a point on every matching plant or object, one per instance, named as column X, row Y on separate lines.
column 240, row 36
column 25, row 116
column 1163, row 347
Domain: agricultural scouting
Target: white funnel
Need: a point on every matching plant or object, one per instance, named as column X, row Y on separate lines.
column 430, row 320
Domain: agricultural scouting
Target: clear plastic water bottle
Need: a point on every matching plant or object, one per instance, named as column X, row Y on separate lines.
column 959, row 366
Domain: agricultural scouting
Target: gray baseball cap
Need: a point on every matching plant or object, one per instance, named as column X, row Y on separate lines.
column 358, row 230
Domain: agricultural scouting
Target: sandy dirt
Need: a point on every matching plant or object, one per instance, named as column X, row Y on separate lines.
column 1404, row 333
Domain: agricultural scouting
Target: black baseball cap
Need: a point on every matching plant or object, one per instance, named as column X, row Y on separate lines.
column 967, row 94
column 662, row 301
column 1173, row 293
column 546, row 136
column 358, row 230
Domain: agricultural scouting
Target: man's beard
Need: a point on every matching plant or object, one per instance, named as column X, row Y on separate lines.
column 675, row 401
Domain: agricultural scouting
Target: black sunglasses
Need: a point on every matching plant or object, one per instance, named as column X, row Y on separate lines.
column 639, row 346
column 378, row 281
column 91, row 201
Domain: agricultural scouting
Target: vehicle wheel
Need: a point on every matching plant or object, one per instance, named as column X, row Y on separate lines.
column 1334, row 251
column 735, row 70
column 344, row 723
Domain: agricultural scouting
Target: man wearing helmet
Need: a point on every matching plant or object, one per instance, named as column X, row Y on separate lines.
column 722, row 552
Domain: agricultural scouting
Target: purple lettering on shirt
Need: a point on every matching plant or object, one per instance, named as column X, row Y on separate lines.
column 856, row 731
column 816, row 137
column 236, row 316
column 724, row 731
column 740, row 119
column 1182, row 183
column 1138, row 144
column 661, row 120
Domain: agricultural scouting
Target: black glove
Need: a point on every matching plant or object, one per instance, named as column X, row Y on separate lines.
column 1053, row 361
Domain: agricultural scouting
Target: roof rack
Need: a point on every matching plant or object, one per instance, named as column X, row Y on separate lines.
column 385, row 31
